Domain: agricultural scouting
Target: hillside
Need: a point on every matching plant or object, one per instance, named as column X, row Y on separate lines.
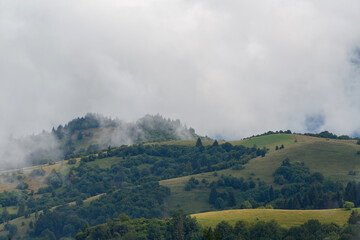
column 90, row 134
column 332, row 157
column 153, row 179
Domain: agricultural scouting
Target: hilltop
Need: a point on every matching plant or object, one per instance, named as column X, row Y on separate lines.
column 91, row 133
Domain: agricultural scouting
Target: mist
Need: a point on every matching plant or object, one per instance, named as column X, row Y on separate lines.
column 229, row 69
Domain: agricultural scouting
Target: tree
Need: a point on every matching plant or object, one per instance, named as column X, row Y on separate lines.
column 5, row 215
column 219, row 203
column 224, row 230
column 349, row 205
column 213, row 196
column 21, row 210
column 80, row 136
column 199, row 144
column 177, row 226
column 231, row 199
column 215, row 144
column 154, row 232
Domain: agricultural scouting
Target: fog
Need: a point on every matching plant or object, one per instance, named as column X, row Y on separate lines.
column 229, row 69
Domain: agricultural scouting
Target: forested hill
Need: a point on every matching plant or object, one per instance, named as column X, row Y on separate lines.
column 150, row 128
column 94, row 132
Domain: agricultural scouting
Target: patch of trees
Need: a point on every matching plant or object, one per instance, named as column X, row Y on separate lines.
column 37, row 172
column 273, row 132
column 180, row 226
column 326, row 134
column 191, row 184
column 295, row 173
column 143, row 201
column 301, row 190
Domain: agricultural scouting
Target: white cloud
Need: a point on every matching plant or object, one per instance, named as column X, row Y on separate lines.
column 230, row 68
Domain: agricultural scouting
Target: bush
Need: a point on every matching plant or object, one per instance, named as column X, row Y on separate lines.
column 22, row 186
column 348, row 205
column 72, row 161
column 37, row 172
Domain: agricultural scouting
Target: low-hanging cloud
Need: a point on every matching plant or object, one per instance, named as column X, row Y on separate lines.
column 229, row 68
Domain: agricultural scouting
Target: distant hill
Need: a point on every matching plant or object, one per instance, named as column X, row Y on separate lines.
column 92, row 133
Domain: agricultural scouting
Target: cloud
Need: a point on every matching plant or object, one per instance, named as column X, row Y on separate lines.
column 229, row 69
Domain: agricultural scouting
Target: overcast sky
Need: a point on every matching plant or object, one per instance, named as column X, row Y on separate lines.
column 227, row 68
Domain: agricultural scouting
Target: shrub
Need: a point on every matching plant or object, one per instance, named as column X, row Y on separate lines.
column 348, row 205
column 37, row 172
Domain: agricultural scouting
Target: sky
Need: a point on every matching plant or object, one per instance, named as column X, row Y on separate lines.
column 229, row 68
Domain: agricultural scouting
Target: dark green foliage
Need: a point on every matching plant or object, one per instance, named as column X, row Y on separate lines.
column 54, row 179
column 324, row 134
column 80, row 136
column 213, row 196
column 192, row 183
column 358, row 142
column 72, row 161
column 354, row 217
column 220, row 203
column 231, row 200
column 22, row 185
column 224, row 231
column 295, row 173
column 311, row 230
column 142, row 201
column 11, row 228
column 37, row 172
column 179, row 226
column 215, row 144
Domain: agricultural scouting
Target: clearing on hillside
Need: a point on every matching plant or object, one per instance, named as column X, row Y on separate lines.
column 286, row 218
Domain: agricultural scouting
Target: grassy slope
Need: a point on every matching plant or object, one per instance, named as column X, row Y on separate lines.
column 286, row 218
column 333, row 158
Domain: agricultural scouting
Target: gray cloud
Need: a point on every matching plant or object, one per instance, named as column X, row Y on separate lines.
column 229, row 68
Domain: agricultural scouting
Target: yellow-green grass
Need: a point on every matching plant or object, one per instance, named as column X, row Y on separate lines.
column 333, row 158
column 182, row 143
column 285, row 218
column 192, row 201
column 22, row 228
column 269, row 141
column 105, row 162
column 10, row 210
column 35, row 182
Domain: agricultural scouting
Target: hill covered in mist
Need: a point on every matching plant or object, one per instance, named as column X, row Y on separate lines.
column 89, row 134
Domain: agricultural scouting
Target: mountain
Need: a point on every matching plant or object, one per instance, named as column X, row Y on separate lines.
column 127, row 183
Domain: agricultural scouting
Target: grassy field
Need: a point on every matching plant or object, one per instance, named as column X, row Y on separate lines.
column 269, row 141
column 286, row 218
column 105, row 162
column 333, row 158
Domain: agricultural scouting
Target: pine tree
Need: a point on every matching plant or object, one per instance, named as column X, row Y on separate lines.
column 199, row 144
column 231, row 201
column 213, row 196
